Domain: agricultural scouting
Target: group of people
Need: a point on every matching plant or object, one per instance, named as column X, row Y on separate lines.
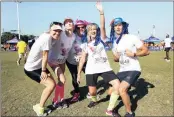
column 81, row 47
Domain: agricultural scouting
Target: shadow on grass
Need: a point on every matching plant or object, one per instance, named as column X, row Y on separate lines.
column 83, row 95
column 141, row 89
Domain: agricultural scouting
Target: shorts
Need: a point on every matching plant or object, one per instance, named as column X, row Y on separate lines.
column 129, row 76
column 35, row 74
column 167, row 49
column 22, row 55
column 91, row 79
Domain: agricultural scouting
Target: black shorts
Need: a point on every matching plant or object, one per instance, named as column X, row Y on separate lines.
column 167, row 49
column 129, row 76
column 91, row 79
column 35, row 74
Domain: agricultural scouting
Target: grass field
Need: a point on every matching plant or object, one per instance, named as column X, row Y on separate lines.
column 153, row 95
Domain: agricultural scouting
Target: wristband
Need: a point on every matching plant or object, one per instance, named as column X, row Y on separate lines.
column 44, row 70
column 135, row 55
column 102, row 14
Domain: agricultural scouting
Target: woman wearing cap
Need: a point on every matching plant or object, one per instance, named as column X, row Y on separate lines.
column 97, row 63
column 126, row 49
column 74, row 57
column 59, row 54
column 36, row 64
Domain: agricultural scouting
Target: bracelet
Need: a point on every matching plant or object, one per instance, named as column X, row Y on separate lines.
column 102, row 14
column 44, row 70
column 135, row 55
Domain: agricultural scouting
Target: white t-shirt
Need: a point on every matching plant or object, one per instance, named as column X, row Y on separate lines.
column 60, row 51
column 130, row 42
column 97, row 58
column 75, row 51
column 167, row 42
column 34, row 60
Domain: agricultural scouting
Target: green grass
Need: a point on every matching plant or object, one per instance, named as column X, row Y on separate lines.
column 19, row 93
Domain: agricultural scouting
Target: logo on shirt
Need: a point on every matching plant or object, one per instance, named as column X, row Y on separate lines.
column 77, row 50
column 63, row 50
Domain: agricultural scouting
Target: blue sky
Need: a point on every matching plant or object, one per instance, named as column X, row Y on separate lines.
column 35, row 17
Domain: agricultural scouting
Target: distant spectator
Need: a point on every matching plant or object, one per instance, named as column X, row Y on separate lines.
column 167, row 43
column 5, row 46
column 21, row 47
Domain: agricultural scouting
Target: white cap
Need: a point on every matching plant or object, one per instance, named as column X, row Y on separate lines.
column 56, row 27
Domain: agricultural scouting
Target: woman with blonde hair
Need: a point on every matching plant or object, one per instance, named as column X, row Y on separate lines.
column 97, row 63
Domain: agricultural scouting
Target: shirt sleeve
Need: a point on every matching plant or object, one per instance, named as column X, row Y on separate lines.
column 138, row 43
column 84, row 47
column 47, row 43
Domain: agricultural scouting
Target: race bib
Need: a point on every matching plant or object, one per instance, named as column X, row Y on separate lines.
column 61, row 59
column 100, row 60
column 124, row 60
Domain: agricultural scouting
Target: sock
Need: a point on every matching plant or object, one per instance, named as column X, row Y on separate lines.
column 113, row 100
column 56, row 94
column 130, row 112
column 94, row 98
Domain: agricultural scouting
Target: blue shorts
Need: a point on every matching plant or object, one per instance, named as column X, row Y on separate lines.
column 129, row 76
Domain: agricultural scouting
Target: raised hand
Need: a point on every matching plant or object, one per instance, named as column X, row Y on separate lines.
column 99, row 6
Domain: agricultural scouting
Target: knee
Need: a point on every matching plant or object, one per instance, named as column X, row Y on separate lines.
column 122, row 90
column 52, row 85
column 115, row 84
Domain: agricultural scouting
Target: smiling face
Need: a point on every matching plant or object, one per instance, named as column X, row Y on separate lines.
column 55, row 34
column 55, row 31
column 118, row 28
column 80, row 30
column 92, row 31
column 69, row 25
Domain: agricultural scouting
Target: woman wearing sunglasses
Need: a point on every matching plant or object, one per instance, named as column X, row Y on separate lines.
column 35, row 67
column 74, row 57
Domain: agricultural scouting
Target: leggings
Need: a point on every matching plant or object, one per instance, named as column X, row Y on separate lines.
column 73, row 70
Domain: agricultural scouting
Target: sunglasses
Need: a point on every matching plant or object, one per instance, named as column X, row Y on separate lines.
column 83, row 27
column 56, row 23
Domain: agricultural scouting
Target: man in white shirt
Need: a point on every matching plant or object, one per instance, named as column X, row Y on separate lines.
column 167, row 45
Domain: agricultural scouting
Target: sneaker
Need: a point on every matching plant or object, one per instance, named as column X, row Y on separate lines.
column 39, row 110
column 167, row 60
column 64, row 104
column 129, row 115
column 112, row 113
column 92, row 104
column 88, row 95
column 18, row 63
column 57, row 105
column 76, row 97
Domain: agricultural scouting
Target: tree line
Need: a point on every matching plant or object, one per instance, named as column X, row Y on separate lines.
column 5, row 36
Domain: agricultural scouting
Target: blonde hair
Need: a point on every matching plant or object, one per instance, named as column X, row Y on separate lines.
column 89, row 27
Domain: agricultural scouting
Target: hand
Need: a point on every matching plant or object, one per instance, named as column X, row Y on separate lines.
column 78, row 78
column 62, row 80
column 129, row 53
column 44, row 76
column 99, row 7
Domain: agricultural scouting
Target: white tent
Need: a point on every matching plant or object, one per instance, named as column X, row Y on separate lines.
column 14, row 40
